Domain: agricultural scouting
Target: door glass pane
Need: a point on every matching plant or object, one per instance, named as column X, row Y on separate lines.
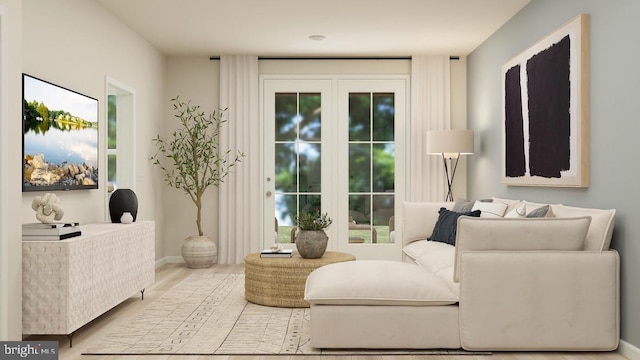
column 309, row 167
column 286, row 211
column 310, row 203
column 286, row 116
column 383, row 210
column 111, row 172
column 383, row 167
column 286, row 208
column 371, row 166
column 359, row 116
column 286, row 173
column 297, row 158
column 111, row 143
column 359, row 167
column 383, row 117
column 310, row 129
column 111, row 122
column 360, row 229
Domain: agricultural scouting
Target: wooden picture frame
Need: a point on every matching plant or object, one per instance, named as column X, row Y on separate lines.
column 545, row 110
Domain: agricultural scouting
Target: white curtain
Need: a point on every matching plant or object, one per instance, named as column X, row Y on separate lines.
column 430, row 110
column 240, row 215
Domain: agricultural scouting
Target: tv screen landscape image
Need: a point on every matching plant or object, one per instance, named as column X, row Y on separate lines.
column 60, row 137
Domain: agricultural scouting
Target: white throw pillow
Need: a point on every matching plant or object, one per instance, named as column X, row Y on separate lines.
column 490, row 209
column 526, row 209
column 601, row 229
column 519, row 211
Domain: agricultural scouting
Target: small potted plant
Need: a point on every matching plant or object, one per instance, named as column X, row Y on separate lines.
column 311, row 240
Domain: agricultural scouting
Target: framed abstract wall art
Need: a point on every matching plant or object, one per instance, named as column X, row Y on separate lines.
column 545, row 124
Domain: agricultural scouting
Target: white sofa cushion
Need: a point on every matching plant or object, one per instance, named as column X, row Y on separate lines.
column 601, row 228
column 477, row 234
column 376, row 282
column 418, row 248
column 439, row 259
column 419, row 218
column 540, row 300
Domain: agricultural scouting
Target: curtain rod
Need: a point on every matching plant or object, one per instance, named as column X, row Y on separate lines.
column 335, row 58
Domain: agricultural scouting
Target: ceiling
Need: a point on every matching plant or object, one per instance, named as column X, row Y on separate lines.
column 281, row 28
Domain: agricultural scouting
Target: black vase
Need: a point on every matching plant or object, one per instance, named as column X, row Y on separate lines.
column 121, row 201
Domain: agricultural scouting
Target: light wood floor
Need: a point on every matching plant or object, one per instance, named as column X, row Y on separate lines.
column 170, row 274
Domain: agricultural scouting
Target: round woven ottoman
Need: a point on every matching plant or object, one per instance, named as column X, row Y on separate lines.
column 280, row 281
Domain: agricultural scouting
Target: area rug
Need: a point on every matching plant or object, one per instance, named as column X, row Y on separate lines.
column 207, row 314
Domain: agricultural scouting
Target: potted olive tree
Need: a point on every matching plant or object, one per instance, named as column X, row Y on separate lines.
column 311, row 240
column 192, row 160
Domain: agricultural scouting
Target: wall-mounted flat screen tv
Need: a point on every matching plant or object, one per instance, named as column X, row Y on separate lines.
column 60, row 137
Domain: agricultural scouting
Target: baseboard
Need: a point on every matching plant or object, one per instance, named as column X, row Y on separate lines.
column 629, row 351
column 169, row 260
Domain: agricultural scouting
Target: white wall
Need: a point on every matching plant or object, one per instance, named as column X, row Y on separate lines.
column 195, row 79
column 10, row 184
column 76, row 44
column 79, row 54
column 334, row 67
column 614, row 95
column 459, row 120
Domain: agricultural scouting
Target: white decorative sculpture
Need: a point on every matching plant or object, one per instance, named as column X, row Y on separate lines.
column 126, row 218
column 47, row 208
column 276, row 247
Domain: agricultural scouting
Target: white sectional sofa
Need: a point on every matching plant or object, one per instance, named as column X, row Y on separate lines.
column 519, row 283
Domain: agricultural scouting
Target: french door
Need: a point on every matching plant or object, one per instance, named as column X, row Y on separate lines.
column 336, row 146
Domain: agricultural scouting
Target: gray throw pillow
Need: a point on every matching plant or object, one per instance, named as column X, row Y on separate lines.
column 462, row 205
column 543, row 211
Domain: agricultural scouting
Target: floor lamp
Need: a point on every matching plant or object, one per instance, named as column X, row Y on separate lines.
column 450, row 144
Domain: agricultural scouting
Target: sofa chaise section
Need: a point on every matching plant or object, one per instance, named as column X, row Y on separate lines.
column 378, row 304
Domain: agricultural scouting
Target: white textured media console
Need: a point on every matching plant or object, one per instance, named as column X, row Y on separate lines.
column 68, row 283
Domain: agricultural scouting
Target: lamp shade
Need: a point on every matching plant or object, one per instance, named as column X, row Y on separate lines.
column 451, row 143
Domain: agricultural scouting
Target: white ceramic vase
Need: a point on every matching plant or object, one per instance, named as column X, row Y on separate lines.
column 199, row 251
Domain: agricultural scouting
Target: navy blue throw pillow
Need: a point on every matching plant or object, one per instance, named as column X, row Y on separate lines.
column 447, row 224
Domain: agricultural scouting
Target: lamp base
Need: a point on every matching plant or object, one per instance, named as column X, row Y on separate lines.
column 453, row 165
